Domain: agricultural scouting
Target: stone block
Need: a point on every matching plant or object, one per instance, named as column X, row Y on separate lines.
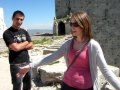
column 47, row 51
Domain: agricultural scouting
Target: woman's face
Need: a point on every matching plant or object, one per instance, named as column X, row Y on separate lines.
column 75, row 28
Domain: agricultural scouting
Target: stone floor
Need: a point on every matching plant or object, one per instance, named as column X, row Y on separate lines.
column 5, row 78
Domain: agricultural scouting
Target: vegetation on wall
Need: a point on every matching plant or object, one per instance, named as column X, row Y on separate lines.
column 43, row 41
column 64, row 19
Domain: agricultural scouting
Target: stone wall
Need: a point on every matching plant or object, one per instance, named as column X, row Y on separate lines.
column 2, row 23
column 104, row 15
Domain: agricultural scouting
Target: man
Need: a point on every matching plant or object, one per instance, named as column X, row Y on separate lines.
column 18, row 42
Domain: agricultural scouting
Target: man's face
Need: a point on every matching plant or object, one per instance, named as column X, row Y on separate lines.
column 17, row 21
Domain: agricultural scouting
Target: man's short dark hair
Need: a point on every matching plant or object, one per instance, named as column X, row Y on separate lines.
column 18, row 12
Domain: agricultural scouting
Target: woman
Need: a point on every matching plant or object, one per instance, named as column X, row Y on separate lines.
column 82, row 54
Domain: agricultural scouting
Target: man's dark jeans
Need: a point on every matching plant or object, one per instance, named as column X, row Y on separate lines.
column 18, row 82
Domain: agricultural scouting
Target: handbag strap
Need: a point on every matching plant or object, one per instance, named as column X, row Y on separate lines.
column 74, row 59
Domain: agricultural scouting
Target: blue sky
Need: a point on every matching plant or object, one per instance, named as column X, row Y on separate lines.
column 39, row 14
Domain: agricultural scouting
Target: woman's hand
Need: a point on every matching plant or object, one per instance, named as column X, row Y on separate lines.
column 23, row 70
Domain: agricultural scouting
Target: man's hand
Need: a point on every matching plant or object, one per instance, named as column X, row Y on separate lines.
column 29, row 46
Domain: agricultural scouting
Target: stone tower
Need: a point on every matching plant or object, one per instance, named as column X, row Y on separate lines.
column 105, row 23
column 2, row 23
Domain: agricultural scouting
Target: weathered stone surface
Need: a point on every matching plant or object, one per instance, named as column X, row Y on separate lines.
column 102, row 80
column 47, row 51
column 108, row 86
column 105, row 23
column 51, row 73
column 3, row 47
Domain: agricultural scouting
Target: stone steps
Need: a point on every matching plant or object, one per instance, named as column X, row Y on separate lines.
column 56, row 45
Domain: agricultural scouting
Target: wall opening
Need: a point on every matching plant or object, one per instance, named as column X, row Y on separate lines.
column 61, row 28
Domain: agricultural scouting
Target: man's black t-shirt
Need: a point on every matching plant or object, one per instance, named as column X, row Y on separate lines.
column 13, row 35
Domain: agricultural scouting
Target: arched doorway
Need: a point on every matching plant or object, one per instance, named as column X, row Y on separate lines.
column 61, row 28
